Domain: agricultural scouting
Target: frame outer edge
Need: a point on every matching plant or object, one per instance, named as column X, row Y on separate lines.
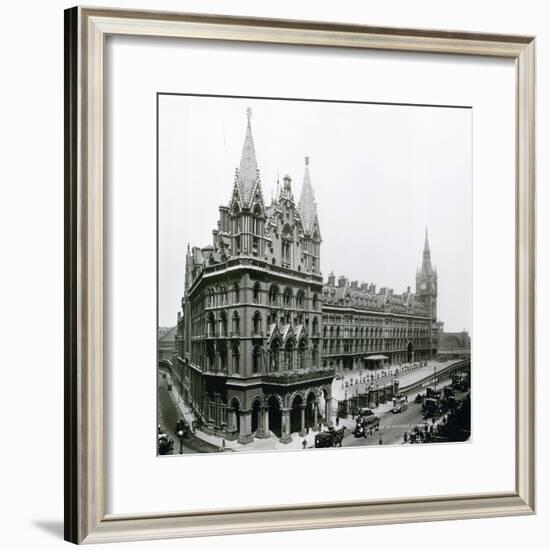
column 85, row 518
column 71, row 405
column 526, row 277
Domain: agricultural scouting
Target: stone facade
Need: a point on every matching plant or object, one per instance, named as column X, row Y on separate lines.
column 260, row 335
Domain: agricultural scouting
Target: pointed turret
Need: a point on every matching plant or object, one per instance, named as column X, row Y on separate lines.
column 307, row 206
column 426, row 256
column 248, row 174
column 188, row 269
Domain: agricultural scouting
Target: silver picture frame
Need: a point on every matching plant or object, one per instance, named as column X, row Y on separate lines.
column 85, row 518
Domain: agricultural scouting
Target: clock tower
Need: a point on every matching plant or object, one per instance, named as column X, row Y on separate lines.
column 426, row 288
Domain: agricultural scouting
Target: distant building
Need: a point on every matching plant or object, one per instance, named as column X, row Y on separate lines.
column 260, row 335
column 166, row 342
column 453, row 344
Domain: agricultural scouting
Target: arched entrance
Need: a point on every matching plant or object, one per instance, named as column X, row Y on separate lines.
column 275, row 415
column 410, row 352
column 255, row 415
column 235, row 409
column 296, row 415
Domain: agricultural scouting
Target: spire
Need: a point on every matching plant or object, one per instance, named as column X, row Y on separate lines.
column 426, row 256
column 307, row 206
column 248, row 173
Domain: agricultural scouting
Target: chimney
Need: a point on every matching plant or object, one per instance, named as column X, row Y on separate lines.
column 331, row 279
column 342, row 281
column 354, row 285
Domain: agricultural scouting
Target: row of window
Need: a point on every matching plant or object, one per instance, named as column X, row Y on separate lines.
column 277, row 358
column 218, row 327
column 219, row 296
column 374, row 332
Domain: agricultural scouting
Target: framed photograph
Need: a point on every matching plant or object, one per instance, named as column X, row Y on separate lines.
column 299, row 275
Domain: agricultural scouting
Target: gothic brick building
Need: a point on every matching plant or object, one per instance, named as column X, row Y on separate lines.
column 260, row 336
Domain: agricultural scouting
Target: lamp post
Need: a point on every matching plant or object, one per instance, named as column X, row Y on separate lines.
column 180, row 436
column 435, row 379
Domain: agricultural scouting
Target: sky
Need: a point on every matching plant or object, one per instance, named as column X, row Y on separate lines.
column 381, row 174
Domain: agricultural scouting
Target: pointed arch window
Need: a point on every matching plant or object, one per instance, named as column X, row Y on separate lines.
column 256, row 292
column 222, row 352
column 236, row 329
column 315, row 302
column 315, row 326
column 287, row 297
column 236, row 358
column 236, row 293
column 274, row 295
column 223, row 324
column 210, row 325
column 275, row 349
column 300, row 299
column 257, row 323
column 302, row 354
column 256, row 359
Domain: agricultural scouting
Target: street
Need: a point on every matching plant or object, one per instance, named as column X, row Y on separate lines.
column 392, row 427
column 168, row 415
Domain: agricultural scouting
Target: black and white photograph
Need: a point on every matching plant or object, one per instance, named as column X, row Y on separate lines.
column 314, row 274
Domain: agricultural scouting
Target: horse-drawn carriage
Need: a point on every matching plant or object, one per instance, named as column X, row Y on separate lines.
column 165, row 444
column 330, row 438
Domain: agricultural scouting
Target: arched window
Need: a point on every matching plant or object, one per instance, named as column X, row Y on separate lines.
column 236, row 358
column 289, row 355
column 236, row 293
column 236, row 219
column 223, row 324
column 257, row 220
column 274, row 295
column 300, row 299
column 256, row 359
column 302, row 354
column 222, row 352
column 236, row 324
column 315, row 302
column 286, row 246
column 223, row 295
column 210, row 325
column 256, row 292
column 287, row 297
column 275, row 349
column 315, row 326
column 325, row 331
column 257, row 323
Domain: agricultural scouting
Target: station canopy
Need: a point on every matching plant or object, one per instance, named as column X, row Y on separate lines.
column 375, row 358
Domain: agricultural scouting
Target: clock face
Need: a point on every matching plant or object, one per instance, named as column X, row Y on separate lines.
column 423, row 286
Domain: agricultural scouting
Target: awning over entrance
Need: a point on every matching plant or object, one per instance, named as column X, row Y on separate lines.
column 375, row 358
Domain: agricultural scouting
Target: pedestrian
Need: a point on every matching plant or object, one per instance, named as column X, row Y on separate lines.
column 405, row 437
column 337, row 420
column 223, row 444
column 380, row 441
column 304, row 443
